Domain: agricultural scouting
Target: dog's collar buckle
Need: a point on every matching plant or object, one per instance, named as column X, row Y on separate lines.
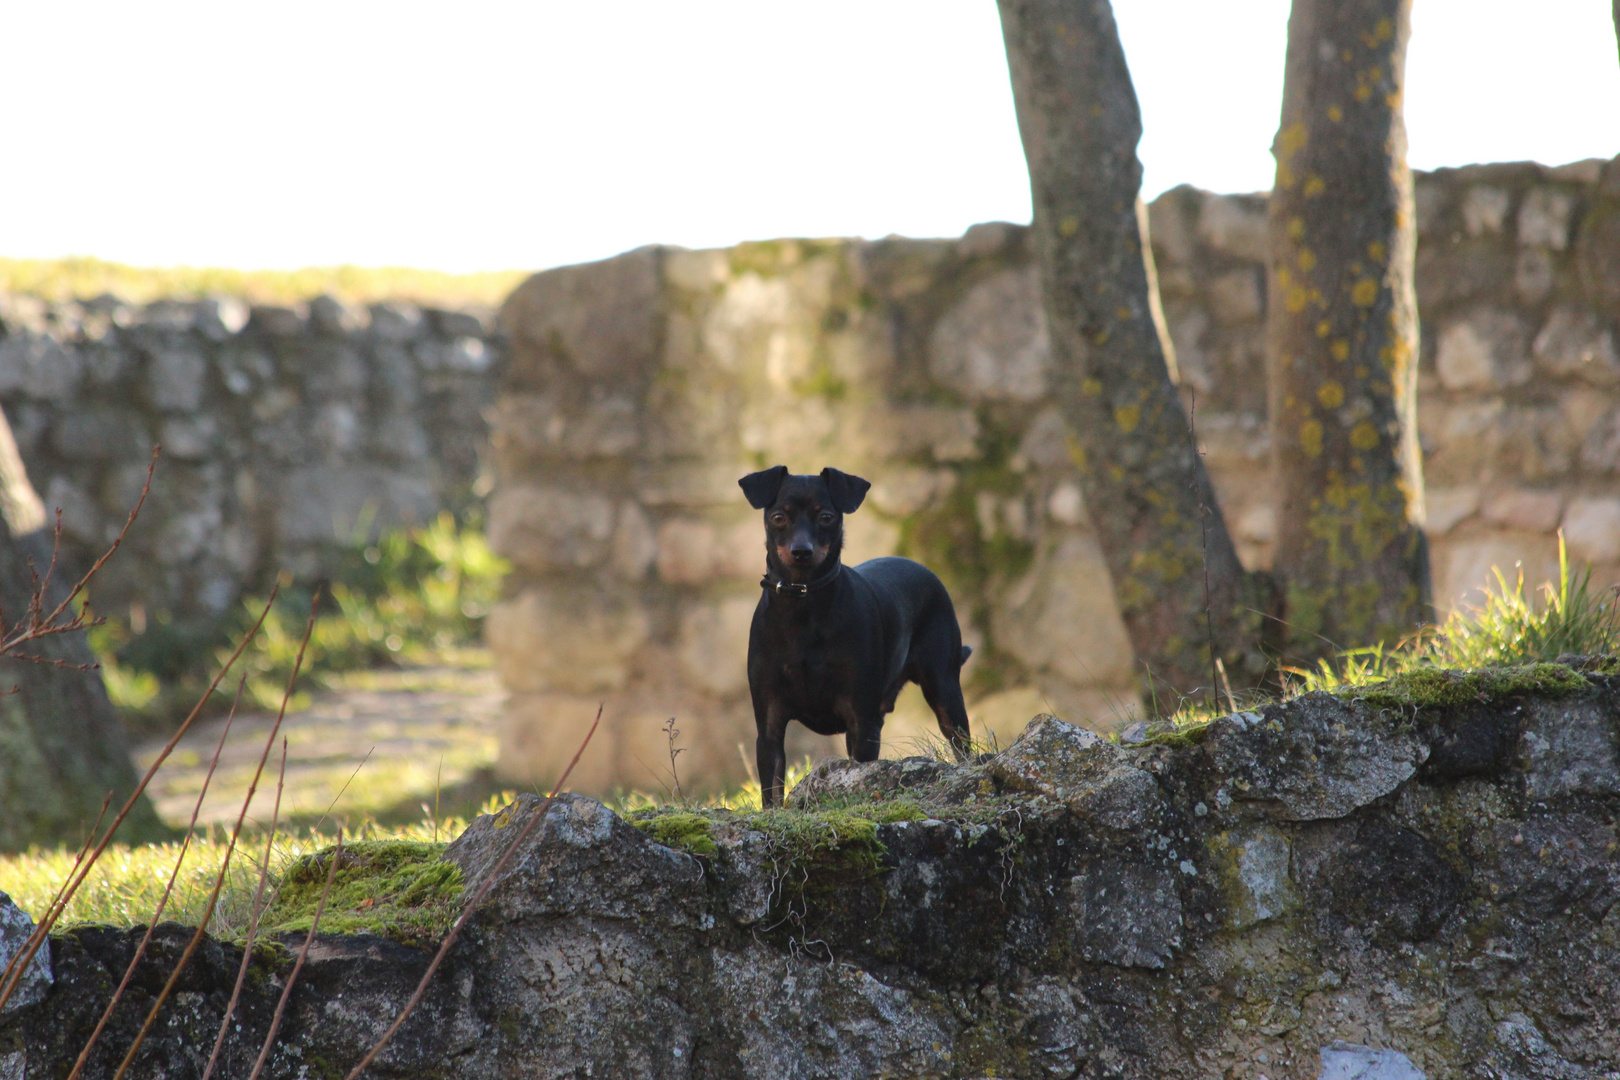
column 798, row 588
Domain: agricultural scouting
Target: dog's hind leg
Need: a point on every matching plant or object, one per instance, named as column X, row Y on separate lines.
column 863, row 734
column 942, row 688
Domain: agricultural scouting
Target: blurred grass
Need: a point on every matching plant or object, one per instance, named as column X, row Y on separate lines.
column 83, row 277
column 412, row 597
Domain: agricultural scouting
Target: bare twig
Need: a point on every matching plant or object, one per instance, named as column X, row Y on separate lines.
column 342, row 789
column 253, row 919
column 1203, row 525
column 43, row 928
column 38, row 625
column 672, row 733
column 163, row 902
column 471, row 906
column 230, row 849
column 298, row 965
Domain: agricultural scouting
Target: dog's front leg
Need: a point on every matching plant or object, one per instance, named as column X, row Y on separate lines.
column 770, row 755
column 863, row 730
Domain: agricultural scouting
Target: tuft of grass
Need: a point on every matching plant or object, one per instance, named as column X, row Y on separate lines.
column 82, row 278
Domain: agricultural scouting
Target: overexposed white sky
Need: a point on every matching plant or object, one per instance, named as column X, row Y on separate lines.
column 490, row 134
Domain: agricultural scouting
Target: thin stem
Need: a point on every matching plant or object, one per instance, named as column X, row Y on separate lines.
column 253, row 920
column 43, row 929
column 163, row 903
column 298, row 965
column 230, row 849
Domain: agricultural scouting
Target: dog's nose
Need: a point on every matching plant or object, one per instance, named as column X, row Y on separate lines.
column 801, row 554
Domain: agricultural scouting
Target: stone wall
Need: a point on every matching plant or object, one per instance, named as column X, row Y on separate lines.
column 281, row 430
column 640, row 388
column 1383, row 886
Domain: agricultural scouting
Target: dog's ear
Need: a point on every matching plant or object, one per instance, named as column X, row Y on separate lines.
column 847, row 490
column 761, row 487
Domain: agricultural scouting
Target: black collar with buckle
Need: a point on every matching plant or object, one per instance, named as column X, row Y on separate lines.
column 796, row 588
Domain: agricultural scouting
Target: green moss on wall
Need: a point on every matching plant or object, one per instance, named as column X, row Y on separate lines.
column 398, row 889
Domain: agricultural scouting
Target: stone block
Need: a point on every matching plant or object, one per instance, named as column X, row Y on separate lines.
column 696, row 271
column 904, row 490
column 175, row 379
column 1544, row 218
column 1234, row 226
column 538, row 734
column 1236, row 297
column 598, row 319
column 1592, row 529
column 101, row 433
column 1576, row 343
column 713, row 644
column 541, row 527
column 1351, row 1061
column 275, row 321
column 993, row 343
column 1568, row 749
column 1483, row 350
column 1062, row 617
column 331, row 317
column 1484, row 209
column 1067, row 504
column 566, row 638
column 1259, row 883
column 634, row 545
column 325, row 504
column 908, row 431
column 35, row 980
column 1600, row 449
column 39, row 367
column 189, row 438
column 81, row 520
column 396, row 321
column 1533, row 275
column 1329, row 758
column 1533, row 511
column 533, row 428
column 1126, row 915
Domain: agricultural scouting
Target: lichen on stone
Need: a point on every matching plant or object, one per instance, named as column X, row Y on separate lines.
column 1433, row 687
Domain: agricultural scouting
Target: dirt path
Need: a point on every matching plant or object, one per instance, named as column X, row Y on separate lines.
column 387, row 741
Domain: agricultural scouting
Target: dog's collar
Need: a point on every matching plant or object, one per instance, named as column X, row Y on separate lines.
column 796, row 588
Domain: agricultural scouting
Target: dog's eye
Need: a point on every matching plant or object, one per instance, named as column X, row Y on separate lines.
column 826, row 518
column 779, row 519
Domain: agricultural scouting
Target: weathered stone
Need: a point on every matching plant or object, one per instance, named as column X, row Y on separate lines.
column 1261, row 883
column 1577, row 343
column 395, row 321
column 713, row 645
column 332, row 317
column 1533, row 275
column 840, row 781
column 1037, row 622
column 599, row 318
column 100, row 433
column 1592, row 529
column 1484, row 209
column 1125, row 915
column 1321, row 758
column 1084, row 771
column 1568, row 749
column 15, row 926
column 38, row 367
column 1448, row 507
column 1544, row 218
column 1483, row 350
column 993, row 343
column 547, row 527
column 1236, row 297
column 1348, row 1061
column 1537, row 511
column 275, row 321
column 1234, row 225
column 573, row 640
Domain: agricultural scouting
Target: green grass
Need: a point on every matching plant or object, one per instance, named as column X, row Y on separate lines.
column 82, row 278
column 127, row 883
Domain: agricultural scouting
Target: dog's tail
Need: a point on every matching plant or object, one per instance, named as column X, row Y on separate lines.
column 967, row 651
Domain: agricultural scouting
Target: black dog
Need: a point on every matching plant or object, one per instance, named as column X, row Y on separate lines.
column 831, row 645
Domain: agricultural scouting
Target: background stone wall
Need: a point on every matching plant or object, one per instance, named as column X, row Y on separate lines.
column 281, row 429
column 640, row 388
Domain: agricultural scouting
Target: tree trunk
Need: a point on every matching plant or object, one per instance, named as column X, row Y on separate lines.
column 1146, row 489
column 1342, row 334
column 61, row 747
